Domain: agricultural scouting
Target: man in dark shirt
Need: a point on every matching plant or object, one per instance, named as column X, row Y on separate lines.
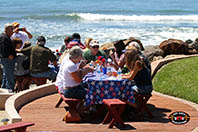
column 40, row 56
column 7, row 57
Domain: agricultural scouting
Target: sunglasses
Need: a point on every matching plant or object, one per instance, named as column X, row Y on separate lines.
column 94, row 47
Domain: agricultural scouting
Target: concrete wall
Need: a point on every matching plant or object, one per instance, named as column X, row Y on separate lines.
column 4, row 95
column 15, row 102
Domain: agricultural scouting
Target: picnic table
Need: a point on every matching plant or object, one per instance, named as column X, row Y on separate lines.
column 108, row 87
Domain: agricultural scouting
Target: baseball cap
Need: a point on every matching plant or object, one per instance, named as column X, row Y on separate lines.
column 94, row 42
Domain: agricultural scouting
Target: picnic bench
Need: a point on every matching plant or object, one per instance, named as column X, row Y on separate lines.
column 18, row 127
column 72, row 115
column 23, row 82
column 115, row 109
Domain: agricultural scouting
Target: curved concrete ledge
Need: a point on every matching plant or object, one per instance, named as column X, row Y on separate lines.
column 4, row 95
column 15, row 102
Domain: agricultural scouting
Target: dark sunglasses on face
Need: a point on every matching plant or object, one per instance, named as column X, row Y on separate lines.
column 94, row 47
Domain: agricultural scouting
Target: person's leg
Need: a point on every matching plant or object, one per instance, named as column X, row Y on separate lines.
column 9, row 73
column 3, row 85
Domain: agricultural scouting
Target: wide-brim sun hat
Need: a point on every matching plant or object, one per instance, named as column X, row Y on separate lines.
column 15, row 24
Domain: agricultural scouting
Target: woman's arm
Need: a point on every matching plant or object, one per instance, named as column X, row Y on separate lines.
column 118, row 63
column 130, row 76
column 133, row 72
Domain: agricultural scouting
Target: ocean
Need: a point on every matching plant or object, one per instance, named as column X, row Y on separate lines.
column 151, row 21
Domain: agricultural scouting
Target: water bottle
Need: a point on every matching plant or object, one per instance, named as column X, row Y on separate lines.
column 98, row 71
column 119, row 73
column 109, row 61
column 108, row 69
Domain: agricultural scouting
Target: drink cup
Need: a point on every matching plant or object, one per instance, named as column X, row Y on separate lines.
column 104, row 70
column 5, row 123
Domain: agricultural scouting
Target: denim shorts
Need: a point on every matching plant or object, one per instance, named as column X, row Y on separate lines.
column 77, row 92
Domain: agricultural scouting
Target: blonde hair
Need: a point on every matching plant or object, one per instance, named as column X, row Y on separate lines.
column 63, row 55
column 87, row 42
column 131, row 56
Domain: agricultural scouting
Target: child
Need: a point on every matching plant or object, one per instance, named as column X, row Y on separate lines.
column 21, row 83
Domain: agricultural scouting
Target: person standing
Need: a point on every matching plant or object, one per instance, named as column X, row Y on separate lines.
column 21, row 33
column 7, row 57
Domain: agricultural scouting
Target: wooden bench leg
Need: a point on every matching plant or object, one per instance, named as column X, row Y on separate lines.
column 146, row 108
column 107, row 117
column 142, row 105
column 74, row 114
column 116, row 112
column 115, row 109
column 23, row 129
column 59, row 102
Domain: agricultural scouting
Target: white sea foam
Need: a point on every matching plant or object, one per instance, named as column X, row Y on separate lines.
column 149, row 33
column 101, row 17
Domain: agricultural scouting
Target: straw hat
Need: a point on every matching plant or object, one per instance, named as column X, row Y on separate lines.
column 15, row 24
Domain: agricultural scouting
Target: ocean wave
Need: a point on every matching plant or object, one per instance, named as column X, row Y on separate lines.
column 54, row 16
column 102, row 17
column 174, row 11
column 106, row 17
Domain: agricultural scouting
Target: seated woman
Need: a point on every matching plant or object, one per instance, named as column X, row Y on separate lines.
column 138, row 71
column 139, row 51
column 69, row 78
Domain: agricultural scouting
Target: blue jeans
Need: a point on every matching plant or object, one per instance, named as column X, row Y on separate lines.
column 49, row 74
column 8, row 80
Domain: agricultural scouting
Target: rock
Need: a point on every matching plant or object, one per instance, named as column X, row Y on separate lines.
column 189, row 41
column 155, row 58
column 174, row 46
column 107, row 46
column 153, row 52
column 195, row 44
column 132, row 39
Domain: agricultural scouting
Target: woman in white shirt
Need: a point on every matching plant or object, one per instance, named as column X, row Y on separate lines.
column 69, row 78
